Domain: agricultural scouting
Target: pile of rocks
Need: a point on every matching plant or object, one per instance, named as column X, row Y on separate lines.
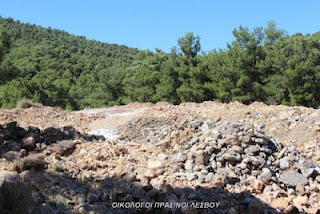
column 17, row 142
column 169, row 158
column 188, row 159
column 232, row 155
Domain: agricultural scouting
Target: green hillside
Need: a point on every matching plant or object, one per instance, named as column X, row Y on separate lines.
column 58, row 69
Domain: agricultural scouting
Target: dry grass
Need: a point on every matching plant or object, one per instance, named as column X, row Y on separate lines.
column 26, row 103
column 33, row 162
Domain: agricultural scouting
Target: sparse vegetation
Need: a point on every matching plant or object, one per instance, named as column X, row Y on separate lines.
column 31, row 162
column 27, row 103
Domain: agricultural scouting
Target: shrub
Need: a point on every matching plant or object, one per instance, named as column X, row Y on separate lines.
column 31, row 162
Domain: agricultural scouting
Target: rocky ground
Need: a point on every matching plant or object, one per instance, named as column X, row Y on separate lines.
column 245, row 159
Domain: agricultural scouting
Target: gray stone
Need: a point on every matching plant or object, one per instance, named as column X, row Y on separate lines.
column 261, row 141
column 284, row 163
column 157, row 183
column 191, row 176
column 307, row 168
column 207, row 125
column 216, row 134
column 293, row 178
column 8, row 176
column 266, row 175
column 252, row 149
column 200, row 177
column 231, row 157
column 195, row 124
column 91, row 198
column 219, row 180
column 189, row 165
column 201, row 157
column 208, row 177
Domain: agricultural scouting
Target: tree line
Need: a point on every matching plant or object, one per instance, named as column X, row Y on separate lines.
column 55, row 68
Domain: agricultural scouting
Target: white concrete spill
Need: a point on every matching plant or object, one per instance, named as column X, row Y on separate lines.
column 126, row 113
column 93, row 110
column 110, row 112
column 108, row 134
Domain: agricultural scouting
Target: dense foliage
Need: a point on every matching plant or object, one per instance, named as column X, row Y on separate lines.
column 59, row 69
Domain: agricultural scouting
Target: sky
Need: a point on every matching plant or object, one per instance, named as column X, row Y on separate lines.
column 150, row 24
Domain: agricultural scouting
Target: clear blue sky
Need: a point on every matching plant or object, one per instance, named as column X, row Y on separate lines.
column 150, row 24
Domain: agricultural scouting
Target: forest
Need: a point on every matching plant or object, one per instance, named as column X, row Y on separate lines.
column 55, row 68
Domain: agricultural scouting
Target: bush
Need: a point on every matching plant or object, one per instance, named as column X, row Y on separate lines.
column 31, row 162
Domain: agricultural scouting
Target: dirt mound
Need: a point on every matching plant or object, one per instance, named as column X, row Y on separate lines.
column 244, row 158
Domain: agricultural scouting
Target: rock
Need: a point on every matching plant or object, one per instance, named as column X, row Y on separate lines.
column 216, row 134
column 8, row 176
column 83, row 152
column 1, row 139
column 236, row 149
column 266, row 175
column 195, row 124
column 188, row 165
column 157, row 183
column 314, row 188
column 300, row 201
column 208, row 177
column 281, row 153
column 207, row 125
column 231, row 157
column 252, row 149
column 10, row 145
column 291, row 210
column 307, row 168
column 58, row 165
column 300, row 188
column 154, row 164
column 145, row 172
column 284, row 163
column 261, row 141
column 63, row 148
column 91, row 198
column 258, row 185
column 293, row 178
column 280, row 203
column 201, row 158
column 200, row 177
column 219, row 180
column 23, row 153
column 231, row 140
column 291, row 192
column 191, row 176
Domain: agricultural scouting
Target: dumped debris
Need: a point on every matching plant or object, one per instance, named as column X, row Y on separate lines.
column 169, row 154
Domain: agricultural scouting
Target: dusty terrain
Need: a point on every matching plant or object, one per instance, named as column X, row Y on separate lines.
column 247, row 159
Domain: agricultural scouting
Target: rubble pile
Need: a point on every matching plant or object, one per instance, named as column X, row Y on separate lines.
column 168, row 155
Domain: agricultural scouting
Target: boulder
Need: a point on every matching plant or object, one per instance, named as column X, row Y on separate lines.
column 28, row 143
column 8, row 176
column 293, row 178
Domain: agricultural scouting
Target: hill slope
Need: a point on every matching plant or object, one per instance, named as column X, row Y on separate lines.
column 58, row 69
column 46, row 63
